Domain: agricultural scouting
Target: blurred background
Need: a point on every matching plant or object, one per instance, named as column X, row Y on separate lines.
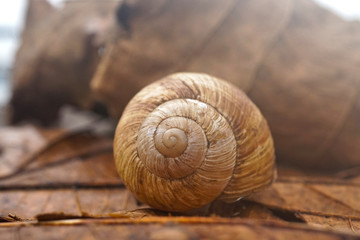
column 298, row 60
column 12, row 19
column 12, row 15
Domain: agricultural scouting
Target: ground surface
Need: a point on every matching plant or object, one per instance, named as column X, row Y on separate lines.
column 63, row 185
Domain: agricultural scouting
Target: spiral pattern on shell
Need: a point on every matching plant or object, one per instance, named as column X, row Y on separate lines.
column 189, row 139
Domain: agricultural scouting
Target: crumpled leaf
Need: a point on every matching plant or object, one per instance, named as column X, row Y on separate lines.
column 168, row 228
column 73, row 181
column 15, row 145
column 57, row 56
column 321, row 201
column 67, row 202
column 297, row 62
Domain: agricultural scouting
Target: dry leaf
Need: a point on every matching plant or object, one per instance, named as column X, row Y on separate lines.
column 297, row 62
column 57, row 57
column 15, row 145
column 73, row 182
column 168, row 228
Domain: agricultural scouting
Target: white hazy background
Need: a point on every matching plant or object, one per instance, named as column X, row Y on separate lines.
column 11, row 21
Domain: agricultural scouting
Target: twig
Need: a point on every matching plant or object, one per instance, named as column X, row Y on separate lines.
column 16, row 218
column 351, row 225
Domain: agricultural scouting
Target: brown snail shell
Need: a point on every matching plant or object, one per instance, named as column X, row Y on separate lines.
column 189, row 139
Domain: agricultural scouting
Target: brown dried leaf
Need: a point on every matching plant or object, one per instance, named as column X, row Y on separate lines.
column 336, row 223
column 74, row 178
column 348, row 195
column 301, row 197
column 28, row 203
column 70, row 158
column 15, row 145
column 318, row 201
column 297, row 62
column 169, row 228
column 138, row 213
column 58, row 55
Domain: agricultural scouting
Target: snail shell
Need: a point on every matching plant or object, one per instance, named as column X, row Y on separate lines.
column 189, row 139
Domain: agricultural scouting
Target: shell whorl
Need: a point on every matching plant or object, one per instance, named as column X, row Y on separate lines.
column 189, row 139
